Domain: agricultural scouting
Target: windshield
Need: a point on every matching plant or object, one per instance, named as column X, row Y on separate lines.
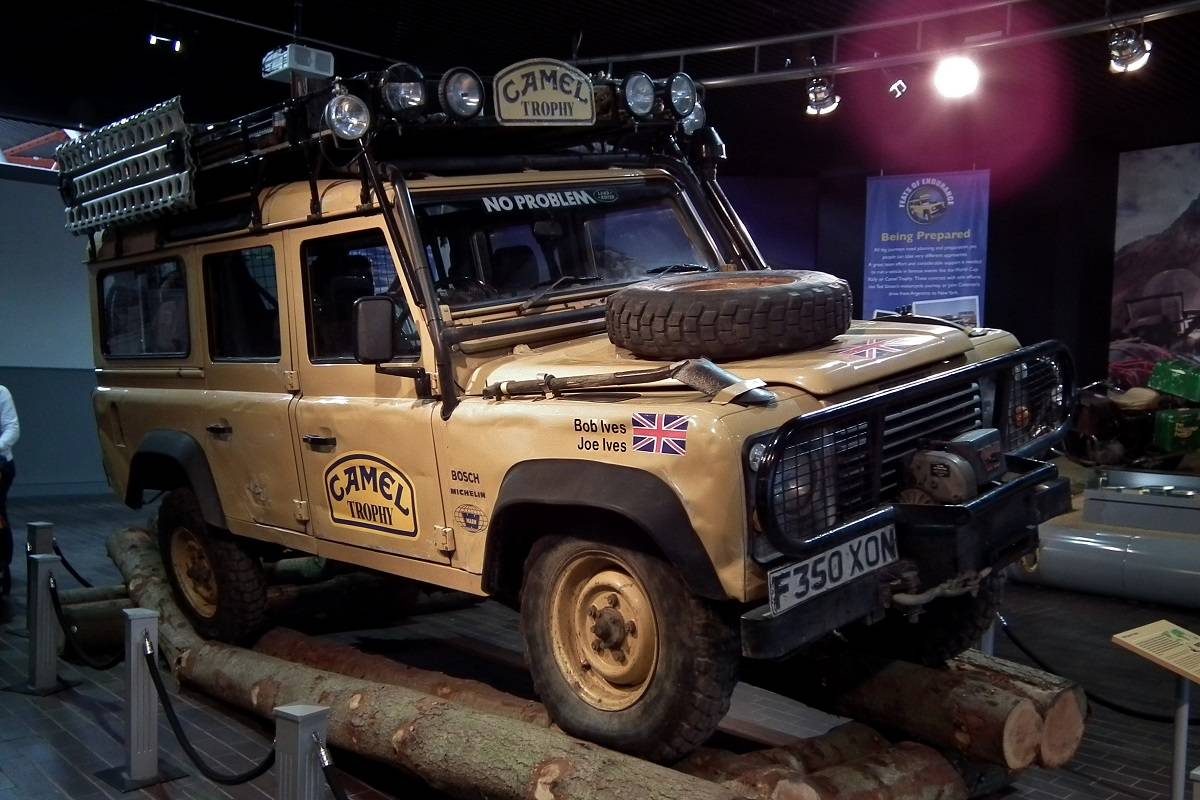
column 502, row 245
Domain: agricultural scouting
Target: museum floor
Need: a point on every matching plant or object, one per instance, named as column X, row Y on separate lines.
column 51, row 747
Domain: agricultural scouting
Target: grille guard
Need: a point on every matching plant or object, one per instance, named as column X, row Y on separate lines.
column 872, row 409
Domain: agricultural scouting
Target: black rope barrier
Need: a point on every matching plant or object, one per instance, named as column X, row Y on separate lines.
column 70, row 630
column 84, row 582
column 1095, row 698
column 173, row 719
column 333, row 776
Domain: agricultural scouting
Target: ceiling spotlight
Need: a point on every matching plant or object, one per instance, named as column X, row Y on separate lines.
column 956, row 76
column 1127, row 51
column 821, row 99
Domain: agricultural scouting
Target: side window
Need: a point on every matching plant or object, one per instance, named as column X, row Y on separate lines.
column 243, row 305
column 144, row 311
column 337, row 271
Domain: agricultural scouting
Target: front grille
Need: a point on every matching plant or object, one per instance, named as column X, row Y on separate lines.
column 829, row 467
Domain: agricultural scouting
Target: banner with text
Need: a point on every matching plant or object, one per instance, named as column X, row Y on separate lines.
column 926, row 245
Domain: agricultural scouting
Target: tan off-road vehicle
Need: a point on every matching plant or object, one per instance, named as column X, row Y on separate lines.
column 469, row 336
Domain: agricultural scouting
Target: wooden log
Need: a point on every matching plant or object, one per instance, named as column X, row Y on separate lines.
column 1061, row 702
column 73, row 597
column 906, row 771
column 804, row 756
column 345, row 660
column 947, row 709
column 455, row 749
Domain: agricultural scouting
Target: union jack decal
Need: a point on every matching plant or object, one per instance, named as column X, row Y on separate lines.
column 660, row 433
column 872, row 348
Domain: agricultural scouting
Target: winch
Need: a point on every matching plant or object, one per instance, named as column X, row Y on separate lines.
column 951, row 472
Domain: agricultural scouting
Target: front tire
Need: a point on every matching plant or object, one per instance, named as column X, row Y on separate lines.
column 219, row 585
column 621, row 652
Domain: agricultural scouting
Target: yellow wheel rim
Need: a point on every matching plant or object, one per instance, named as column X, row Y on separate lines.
column 194, row 572
column 603, row 630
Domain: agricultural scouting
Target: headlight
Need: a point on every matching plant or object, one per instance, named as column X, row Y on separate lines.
column 403, row 88
column 347, row 116
column 638, row 91
column 461, row 93
column 681, row 92
column 695, row 120
column 755, row 458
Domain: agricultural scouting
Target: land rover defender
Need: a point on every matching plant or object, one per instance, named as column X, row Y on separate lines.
column 515, row 341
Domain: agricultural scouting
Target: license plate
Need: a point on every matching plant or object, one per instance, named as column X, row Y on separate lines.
column 791, row 585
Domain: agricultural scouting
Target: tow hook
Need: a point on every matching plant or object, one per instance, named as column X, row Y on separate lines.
column 966, row 583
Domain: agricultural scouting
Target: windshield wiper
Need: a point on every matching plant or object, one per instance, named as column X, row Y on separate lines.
column 678, row 268
column 562, row 280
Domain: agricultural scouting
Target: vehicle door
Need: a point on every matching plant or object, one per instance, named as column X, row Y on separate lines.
column 365, row 438
column 244, row 413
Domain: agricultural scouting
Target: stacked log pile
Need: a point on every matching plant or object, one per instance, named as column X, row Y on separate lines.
column 470, row 740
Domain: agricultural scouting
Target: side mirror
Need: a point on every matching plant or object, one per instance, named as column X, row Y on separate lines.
column 373, row 329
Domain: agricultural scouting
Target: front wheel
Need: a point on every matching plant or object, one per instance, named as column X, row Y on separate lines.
column 218, row 583
column 621, row 652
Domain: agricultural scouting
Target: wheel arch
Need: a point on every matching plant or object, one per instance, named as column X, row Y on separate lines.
column 536, row 495
column 168, row 459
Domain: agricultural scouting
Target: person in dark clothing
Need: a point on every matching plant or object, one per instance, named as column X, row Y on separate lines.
column 10, row 431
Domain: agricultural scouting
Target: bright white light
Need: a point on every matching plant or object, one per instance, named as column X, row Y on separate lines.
column 1116, row 65
column 178, row 45
column 956, row 76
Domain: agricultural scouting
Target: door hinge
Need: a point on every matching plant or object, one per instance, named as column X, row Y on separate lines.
column 301, row 510
column 444, row 538
column 290, row 381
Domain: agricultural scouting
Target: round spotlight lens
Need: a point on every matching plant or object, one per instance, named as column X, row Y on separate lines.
column 403, row 88
column 695, row 120
column 821, row 99
column 638, row 91
column 461, row 93
column 348, row 116
column 956, row 76
column 681, row 91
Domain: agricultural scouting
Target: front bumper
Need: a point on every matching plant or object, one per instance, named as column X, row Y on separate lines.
column 992, row 530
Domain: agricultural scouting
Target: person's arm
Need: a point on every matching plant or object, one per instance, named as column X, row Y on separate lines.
column 10, row 426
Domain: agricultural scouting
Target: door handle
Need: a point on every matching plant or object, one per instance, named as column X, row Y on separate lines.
column 315, row 442
column 219, row 428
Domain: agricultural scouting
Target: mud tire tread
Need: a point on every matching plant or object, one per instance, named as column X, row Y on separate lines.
column 730, row 324
column 241, row 583
column 703, row 690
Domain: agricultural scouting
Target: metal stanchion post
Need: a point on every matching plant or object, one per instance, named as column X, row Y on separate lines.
column 1179, row 772
column 1196, row 784
column 39, row 541
column 142, row 767
column 298, row 770
column 44, row 631
column 987, row 643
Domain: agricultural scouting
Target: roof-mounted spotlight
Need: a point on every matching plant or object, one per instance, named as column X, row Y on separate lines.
column 637, row 90
column 347, row 116
column 1128, row 50
column 956, row 76
column 681, row 94
column 402, row 88
column 461, row 93
column 821, row 98
column 695, row 120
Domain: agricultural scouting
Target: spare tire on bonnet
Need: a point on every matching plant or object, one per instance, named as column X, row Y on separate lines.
column 729, row 315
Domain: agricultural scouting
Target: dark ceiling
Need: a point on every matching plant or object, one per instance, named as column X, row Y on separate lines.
column 91, row 63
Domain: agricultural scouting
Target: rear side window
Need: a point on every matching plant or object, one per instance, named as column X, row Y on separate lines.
column 337, row 271
column 243, row 305
column 144, row 311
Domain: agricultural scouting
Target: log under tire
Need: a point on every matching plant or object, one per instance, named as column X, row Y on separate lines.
column 658, row 687
column 729, row 316
column 220, row 586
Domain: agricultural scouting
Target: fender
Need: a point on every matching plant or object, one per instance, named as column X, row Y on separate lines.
column 168, row 459
column 638, row 496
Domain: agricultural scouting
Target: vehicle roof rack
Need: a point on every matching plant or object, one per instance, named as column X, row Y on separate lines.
column 154, row 163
